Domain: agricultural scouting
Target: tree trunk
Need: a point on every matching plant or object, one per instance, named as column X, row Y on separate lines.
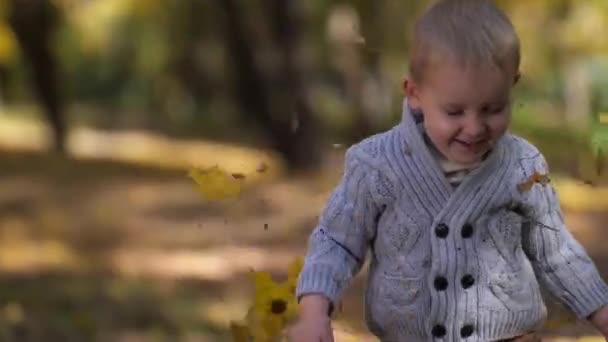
column 33, row 22
column 294, row 143
column 302, row 142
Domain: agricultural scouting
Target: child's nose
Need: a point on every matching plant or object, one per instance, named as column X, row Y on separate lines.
column 475, row 127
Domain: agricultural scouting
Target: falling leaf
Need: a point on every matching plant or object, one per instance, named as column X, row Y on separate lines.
column 238, row 175
column 215, row 184
column 540, row 178
column 525, row 186
column 337, row 145
column 533, row 179
column 603, row 118
column 262, row 167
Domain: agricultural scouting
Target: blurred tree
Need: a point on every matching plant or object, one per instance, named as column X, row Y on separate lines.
column 578, row 29
column 582, row 36
column 34, row 22
column 283, row 111
column 356, row 71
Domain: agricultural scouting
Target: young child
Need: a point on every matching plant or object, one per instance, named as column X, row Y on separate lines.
column 459, row 215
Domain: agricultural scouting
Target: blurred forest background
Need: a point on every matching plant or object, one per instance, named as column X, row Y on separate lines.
column 104, row 104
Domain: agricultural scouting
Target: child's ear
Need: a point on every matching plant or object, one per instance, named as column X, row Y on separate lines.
column 411, row 91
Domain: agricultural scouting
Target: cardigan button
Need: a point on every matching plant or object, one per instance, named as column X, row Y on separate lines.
column 440, row 283
column 467, row 281
column 466, row 331
column 467, row 231
column 442, row 230
column 438, row 330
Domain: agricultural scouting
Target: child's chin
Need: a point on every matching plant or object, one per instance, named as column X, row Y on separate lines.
column 466, row 158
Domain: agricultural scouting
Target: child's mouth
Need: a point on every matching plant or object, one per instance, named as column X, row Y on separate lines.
column 472, row 146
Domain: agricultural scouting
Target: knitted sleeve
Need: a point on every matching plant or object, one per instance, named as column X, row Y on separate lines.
column 338, row 245
column 560, row 262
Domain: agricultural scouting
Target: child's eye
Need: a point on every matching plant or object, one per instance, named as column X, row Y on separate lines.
column 455, row 112
column 495, row 109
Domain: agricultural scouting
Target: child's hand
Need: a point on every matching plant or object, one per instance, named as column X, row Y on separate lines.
column 599, row 319
column 312, row 329
column 314, row 324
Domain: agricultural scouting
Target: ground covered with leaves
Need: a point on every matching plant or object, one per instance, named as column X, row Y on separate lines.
column 110, row 251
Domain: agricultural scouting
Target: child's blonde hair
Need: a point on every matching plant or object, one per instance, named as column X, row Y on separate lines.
column 469, row 32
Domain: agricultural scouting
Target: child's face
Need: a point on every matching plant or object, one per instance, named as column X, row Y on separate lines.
column 466, row 110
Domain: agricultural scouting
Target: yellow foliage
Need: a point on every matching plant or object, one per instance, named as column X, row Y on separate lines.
column 8, row 46
column 273, row 307
column 5, row 7
column 94, row 21
column 145, row 8
column 215, row 183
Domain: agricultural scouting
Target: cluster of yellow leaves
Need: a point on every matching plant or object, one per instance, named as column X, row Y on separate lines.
column 274, row 306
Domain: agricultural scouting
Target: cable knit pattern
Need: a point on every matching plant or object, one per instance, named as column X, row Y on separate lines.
column 448, row 264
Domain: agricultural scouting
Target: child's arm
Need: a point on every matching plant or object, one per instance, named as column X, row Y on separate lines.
column 338, row 245
column 559, row 260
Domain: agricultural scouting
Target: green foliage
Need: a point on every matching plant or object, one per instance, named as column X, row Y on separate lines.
column 165, row 65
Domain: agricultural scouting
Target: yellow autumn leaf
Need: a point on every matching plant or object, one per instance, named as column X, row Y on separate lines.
column 533, row 179
column 216, row 184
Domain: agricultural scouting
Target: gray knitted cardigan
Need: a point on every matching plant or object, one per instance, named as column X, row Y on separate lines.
column 448, row 264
